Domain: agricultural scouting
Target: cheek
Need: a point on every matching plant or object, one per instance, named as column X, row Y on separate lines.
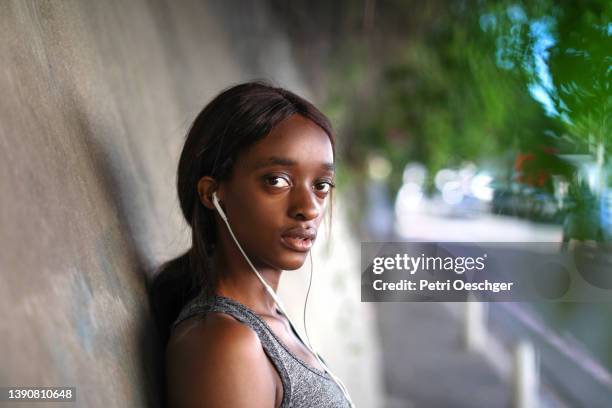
column 258, row 214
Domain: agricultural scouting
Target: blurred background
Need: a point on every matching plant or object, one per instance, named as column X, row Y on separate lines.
column 456, row 121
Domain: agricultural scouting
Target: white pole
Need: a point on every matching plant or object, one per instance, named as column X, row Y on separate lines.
column 475, row 331
column 526, row 381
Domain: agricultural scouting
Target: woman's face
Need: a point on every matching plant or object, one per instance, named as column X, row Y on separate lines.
column 279, row 184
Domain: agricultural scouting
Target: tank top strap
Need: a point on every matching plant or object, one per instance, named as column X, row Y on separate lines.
column 199, row 306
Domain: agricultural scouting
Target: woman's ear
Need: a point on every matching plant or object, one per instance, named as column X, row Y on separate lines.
column 206, row 186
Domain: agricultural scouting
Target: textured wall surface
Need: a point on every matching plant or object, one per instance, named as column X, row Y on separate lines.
column 95, row 99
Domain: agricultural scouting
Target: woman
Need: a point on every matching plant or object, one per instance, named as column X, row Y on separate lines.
column 262, row 158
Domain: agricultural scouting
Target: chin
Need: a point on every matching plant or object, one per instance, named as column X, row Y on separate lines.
column 295, row 262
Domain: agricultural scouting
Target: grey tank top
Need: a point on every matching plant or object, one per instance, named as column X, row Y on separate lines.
column 304, row 386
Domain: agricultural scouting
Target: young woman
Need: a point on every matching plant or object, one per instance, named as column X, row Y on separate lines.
column 254, row 180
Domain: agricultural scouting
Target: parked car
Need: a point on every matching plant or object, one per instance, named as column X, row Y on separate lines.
column 526, row 202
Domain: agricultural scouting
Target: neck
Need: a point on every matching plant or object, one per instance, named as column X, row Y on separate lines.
column 238, row 280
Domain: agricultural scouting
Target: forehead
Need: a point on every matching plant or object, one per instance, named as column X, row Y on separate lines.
column 296, row 138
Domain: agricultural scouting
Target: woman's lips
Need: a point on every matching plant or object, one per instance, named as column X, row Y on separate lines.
column 296, row 243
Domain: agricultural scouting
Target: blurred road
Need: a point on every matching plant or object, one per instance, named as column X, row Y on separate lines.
column 426, row 363
column 433, row 222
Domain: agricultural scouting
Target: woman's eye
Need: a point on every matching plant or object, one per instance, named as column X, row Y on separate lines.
column 277, row 181
column 324, row 187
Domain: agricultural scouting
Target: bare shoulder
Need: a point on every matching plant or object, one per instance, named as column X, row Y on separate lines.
column 217, row 361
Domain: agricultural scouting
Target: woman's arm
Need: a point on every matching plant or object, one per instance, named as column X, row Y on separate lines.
column 218, row 362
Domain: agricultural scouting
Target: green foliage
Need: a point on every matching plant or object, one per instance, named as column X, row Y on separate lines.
column 564, row 51
column 478, row 81
column 440, row 97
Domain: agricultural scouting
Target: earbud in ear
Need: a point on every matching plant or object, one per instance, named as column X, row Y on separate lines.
column 217, row 205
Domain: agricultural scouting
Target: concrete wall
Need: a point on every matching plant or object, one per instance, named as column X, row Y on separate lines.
column 96, row 97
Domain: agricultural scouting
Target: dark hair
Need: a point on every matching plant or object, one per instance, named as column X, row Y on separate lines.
column 234, row 120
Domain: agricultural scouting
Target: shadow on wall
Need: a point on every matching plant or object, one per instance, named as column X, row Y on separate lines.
column 117, row 183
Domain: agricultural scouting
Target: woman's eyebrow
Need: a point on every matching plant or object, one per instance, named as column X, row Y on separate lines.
column 281, row 161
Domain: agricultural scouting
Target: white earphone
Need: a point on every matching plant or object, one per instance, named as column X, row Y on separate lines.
column 279, row 303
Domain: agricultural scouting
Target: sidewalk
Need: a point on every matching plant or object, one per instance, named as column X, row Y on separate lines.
column 426, row 364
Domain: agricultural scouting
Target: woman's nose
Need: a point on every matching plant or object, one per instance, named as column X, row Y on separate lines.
column 304, row 203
